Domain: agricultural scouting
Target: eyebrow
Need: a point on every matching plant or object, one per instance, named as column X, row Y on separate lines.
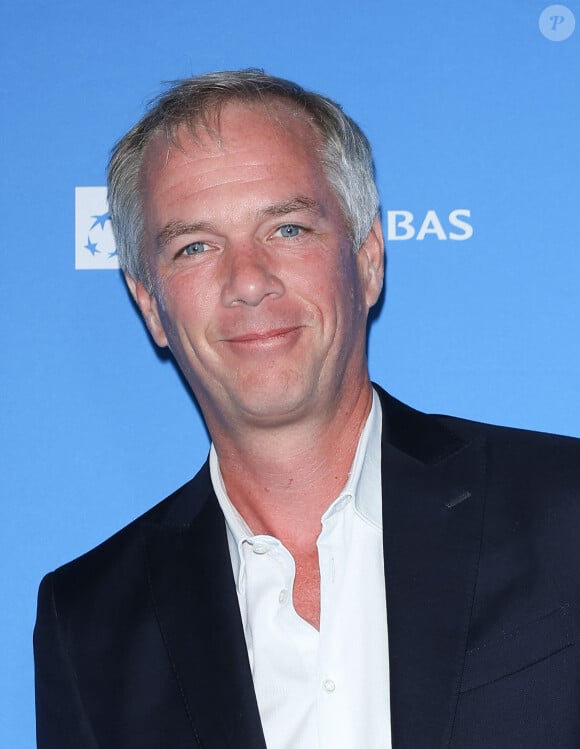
column 175, row 229
column 289, row 206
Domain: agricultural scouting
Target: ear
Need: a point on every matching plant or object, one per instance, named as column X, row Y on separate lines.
column 371, row 263
column 147, row 303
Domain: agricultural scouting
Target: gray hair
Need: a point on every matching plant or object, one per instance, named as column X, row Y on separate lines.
column 346, row 155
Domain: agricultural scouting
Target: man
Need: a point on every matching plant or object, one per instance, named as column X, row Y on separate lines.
column 344, row 571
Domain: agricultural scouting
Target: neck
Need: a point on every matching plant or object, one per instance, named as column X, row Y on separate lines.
column 282, row 481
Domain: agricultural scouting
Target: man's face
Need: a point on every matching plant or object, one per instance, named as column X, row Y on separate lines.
column 257, row 291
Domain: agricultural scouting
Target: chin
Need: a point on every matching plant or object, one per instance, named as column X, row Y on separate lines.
column 269, row 401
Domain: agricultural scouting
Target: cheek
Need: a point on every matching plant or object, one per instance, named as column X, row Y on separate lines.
column 344, row 285
column 185, row 307
column 333, row 299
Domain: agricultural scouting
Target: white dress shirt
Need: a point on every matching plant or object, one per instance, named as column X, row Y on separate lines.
column 326, row 689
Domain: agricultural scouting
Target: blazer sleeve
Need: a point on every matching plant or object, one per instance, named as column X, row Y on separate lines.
column 61, row 721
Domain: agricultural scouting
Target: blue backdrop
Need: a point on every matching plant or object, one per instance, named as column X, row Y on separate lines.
column 474, row 114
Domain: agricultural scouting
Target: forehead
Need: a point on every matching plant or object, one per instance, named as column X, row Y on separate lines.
column 259, row 130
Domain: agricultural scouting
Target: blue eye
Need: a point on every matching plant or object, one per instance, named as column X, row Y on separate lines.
column 289, row 230
column 195, row 248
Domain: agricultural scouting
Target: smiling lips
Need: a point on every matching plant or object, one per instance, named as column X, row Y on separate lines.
column 264, row 338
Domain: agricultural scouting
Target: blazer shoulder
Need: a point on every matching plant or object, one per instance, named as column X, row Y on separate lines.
column 519, row 464
column 416, row 432
column 523, row 452
column 177, row 511
column 508, row 434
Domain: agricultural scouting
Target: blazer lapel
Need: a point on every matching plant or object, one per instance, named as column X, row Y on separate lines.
column 195, row 602
column 432, row 512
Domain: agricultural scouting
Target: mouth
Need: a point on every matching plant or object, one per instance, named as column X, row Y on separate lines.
column 262, row 336
column 256, row 342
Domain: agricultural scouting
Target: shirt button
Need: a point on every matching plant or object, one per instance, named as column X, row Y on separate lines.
column 260, row 548
column 283, row 597
column 329, row 685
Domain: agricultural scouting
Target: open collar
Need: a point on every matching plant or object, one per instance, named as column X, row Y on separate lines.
column 433, row 496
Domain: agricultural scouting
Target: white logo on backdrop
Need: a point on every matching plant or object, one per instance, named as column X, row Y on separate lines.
column 94, row 242
column 403, row 225
column 557, row 23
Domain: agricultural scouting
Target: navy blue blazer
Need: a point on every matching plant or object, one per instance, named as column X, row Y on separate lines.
column 139, row 643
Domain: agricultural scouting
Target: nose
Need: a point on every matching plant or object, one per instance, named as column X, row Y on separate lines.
column 249, row 277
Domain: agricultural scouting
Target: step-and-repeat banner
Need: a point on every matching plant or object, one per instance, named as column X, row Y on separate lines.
column 474, row 114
